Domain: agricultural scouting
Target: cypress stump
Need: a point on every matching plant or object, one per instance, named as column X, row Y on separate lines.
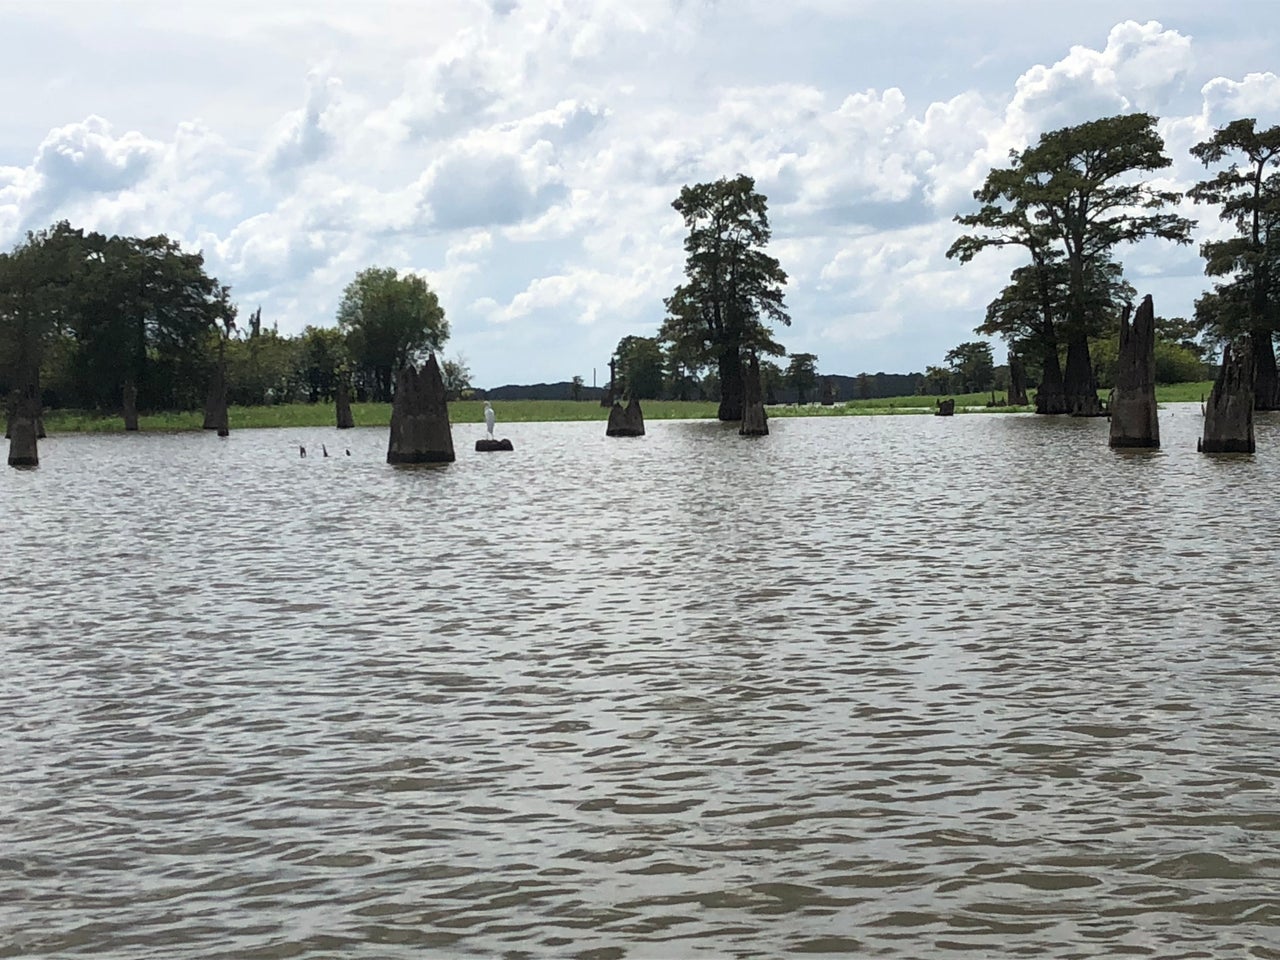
column 625, row 421
column 754, row 421
column 129, row 405
column 1228, row 416
column 420, row 431
column 946, row 408
column 1134, row 421
column 342, row 401
column 23, row 432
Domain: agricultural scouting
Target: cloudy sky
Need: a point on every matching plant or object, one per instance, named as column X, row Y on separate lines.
column 523, row 154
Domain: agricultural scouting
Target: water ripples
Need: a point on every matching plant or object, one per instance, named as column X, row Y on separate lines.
column 885, row 686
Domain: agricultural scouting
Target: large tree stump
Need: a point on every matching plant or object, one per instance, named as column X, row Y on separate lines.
column 754, row 421
column 129, row 405
column 1134, row 421
column 1017, row 381
column 420, row 431
column 1228, row 416
column 23, row 432
column 625, row 421
column 486, row 445
column 342, row 403
column 946, row 408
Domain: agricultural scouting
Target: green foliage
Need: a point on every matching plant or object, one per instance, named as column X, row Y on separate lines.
column 266, row 369
column 972, row 367
column 324, row 360
column 802, row 374
column 639, row 362
column 390, row 321
column 1249, row 198
column 97, row 311
column 456, row 375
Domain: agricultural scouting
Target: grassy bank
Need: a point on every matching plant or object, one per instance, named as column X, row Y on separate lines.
column 537, row 411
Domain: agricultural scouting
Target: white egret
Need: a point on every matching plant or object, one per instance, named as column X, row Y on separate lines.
column 490, row 418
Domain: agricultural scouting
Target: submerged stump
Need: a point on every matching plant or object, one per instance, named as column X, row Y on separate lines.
column 420, row 430
column 946, row 408
column 23, row 432
column 492, row 446
column 1228, row 415
column 625, row 421
column 755, row 423
column 1134, row 421
column 342, row 404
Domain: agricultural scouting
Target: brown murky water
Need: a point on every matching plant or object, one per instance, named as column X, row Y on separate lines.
column 894, row 687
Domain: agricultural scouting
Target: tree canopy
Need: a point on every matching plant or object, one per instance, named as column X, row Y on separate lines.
column 390, row 322
column 1070, row 199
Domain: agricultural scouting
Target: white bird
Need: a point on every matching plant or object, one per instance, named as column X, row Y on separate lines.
column 490, row 418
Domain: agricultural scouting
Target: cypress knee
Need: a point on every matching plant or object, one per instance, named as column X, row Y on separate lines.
column 420, row 429
column 1134, row 420
column 1228, row 416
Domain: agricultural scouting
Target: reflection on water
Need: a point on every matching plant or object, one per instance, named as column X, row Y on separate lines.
column 892, row 686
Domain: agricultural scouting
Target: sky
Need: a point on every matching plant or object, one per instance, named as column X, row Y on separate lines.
column 522, row 155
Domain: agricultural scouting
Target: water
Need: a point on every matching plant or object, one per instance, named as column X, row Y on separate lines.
column 895, row 687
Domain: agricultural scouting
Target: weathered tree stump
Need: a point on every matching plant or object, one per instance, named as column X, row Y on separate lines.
column 1134, row 421
column 755, row 423
column 215, row 405
column 492, row 446
column 342, row 403
column 23, row 434
column 1017, row 381
column 625, row 421
column 420, row 431
column 129, row 405
column 1228, row 415
column 946, row 408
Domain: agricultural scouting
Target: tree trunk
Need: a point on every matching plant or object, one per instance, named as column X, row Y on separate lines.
column 1134, row 421
column 342, row 404
column 754, row 421
column 1078, row 383
column 1050, row 396
column 730, row 385
column 1018, row 380
column 1266, row 383
column 23, row 448
column 420, row 430
column 215, row 405
column 1228, row 416
column 129, row 405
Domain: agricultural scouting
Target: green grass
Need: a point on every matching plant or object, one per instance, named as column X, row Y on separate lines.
column 541, row 411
